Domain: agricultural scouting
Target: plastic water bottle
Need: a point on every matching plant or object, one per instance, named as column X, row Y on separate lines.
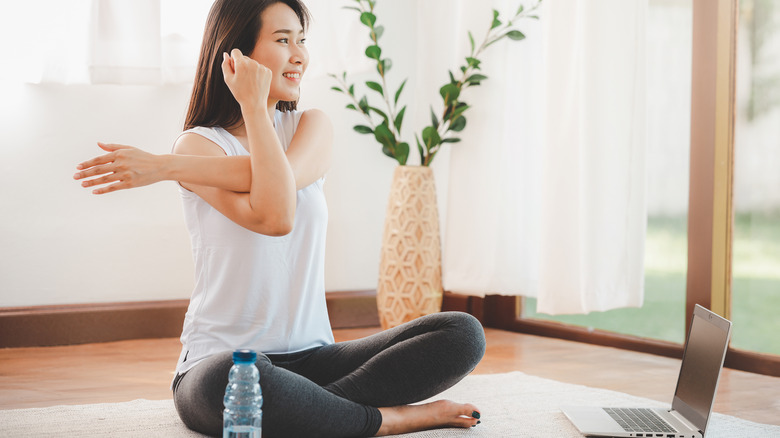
column 243, row 415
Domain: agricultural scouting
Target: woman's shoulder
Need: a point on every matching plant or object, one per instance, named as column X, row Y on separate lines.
column 200, row 140
column 293, row 118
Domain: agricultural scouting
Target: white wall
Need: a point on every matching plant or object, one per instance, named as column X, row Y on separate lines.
column 60, row 244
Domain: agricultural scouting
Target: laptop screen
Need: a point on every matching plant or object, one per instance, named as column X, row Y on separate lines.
column 701, row 364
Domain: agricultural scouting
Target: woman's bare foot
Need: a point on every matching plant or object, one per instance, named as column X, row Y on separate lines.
column 413, row 418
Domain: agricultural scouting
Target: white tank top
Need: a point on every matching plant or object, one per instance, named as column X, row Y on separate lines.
column 255, row 291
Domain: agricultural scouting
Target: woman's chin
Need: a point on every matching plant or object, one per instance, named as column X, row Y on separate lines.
column 290, row 96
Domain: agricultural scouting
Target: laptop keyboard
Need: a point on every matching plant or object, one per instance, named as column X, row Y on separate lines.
column 639, row 420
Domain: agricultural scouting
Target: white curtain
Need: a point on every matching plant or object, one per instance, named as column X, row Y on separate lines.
column 547, row 190
column 139, row 42
column 152, row 42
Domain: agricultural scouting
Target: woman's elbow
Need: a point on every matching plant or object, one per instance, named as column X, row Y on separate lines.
column 275, row 226
column 282, row 228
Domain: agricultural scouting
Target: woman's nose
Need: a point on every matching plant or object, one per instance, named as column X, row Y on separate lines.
column 298, row 55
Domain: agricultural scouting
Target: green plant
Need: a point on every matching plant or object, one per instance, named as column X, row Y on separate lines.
column 452, row 120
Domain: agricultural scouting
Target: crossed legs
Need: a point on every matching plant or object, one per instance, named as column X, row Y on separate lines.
column 355, row 388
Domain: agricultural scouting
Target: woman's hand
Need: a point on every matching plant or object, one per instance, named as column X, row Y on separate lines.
column 123, row 167
column 249, row 81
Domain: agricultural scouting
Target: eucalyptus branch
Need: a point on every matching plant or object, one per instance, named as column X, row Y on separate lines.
column 452, row 119
column 388, row 131
column 382, row 66
column 355, row 105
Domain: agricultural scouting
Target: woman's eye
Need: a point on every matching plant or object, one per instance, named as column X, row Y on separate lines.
column 303, row 41
column 282, row 40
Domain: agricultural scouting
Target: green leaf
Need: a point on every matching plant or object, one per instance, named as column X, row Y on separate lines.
column 383, row 135
column 353, row 8
column 430, row 137
column 378, row 31
column 363, row 105
column 515, row 35
column 363, row 129
column 380, row 112
column 451, row 140
column 459, row 108
column 374, row 52
column 398, row 93
column 385, row 138
column 420, row 148
column 473, row 62
column 375, row 86
column 520, row 10
column 352, row 107
column 458, row 124
column 434, row 120
column 475, row 79
column 496, row 21
column 337, row 89
column 384, row 66
column 368, row 19
column 352, row 90
column 471, row 40
column 402, row 153
column 449, row 93
column 399, row 119
column 452, row 77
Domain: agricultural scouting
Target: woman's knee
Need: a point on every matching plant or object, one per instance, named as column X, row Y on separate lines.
column 473, row 330
column 468, row 332
column 199, row 393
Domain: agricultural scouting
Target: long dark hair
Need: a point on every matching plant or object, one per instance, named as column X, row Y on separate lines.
column 230, row 24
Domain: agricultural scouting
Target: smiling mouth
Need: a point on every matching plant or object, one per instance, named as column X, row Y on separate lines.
column 292, row 75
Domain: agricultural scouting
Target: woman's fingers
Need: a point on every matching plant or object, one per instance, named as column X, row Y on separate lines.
column 97, row 169
column 110, row 188
column 97, row 161
column 236, row 56
column 227, row 66
column 123, row 167
column 103, row 159
column 102, row 180
column 111, row 147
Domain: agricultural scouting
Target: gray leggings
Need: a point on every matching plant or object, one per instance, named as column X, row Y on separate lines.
column 335, row 390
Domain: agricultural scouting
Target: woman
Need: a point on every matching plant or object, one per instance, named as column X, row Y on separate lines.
column 251, row 170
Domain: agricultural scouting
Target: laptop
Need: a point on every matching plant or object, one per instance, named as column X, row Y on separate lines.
column 705, row 350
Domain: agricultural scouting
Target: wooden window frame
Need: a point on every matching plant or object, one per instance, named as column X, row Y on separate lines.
column 710, row 215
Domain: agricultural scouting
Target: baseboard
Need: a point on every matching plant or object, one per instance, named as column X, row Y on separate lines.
column 85, row 323
column 40, row 326
column 352, row 309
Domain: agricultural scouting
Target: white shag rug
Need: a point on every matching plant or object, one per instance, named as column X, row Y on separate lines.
column 512, row 405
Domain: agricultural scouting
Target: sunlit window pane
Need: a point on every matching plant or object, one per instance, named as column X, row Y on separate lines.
column 756, row 247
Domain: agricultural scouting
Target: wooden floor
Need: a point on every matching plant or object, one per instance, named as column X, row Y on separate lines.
column 128, row 370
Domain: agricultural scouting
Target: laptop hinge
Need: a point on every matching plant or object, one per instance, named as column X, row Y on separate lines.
column 681, row 418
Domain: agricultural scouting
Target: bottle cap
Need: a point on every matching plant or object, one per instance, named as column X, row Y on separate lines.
column 244, row 356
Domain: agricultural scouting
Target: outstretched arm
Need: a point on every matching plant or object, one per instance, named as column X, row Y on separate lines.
column 125, row 167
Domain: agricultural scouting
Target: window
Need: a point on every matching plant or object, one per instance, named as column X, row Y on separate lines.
column 756, row 249
column 668, row 137
column 724, row 247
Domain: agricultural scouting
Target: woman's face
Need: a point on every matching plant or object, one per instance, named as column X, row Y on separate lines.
column 280, row 48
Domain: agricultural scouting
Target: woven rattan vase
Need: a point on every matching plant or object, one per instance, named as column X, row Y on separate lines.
column 410, row 262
